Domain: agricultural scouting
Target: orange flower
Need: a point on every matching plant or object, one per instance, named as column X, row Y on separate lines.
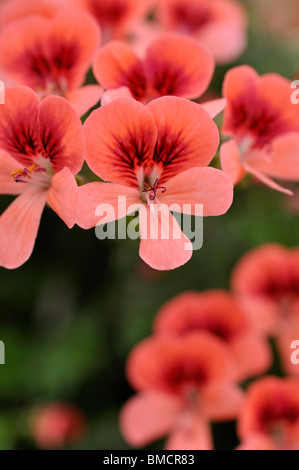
column 217, row 312
column 264, row 125
column 41, row 148
column 183, row 384
column 52, row 56
column 269, row 419
column 173, row 65
column 266, row 281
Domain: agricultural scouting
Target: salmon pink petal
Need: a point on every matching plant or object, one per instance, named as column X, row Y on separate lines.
column 74, row 38
column 18, row 124
column 231, row 161
column 222, row 401
column 191, row 436
column 18, row 228
column 84, row 98
column 283, row 161
column 226, row 40
column 93, row 194
column 207, row 186
column 63, row 196
column 266, row 179
column 22, row 47
column 120, row 139
column 257, row 442
column 112, row 95
column 148, row 416
column 252, row 354
column 178, row 65
column 116, row 65
column 187, row 136
column 61, row 134
column 214, row 107
column 7, row 183
column 163, row 245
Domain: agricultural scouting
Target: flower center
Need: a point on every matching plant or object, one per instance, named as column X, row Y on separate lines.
column 38, row 174
column 153, row 189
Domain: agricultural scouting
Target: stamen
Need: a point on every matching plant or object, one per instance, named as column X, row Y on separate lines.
column 20, row 175
column 154, row 189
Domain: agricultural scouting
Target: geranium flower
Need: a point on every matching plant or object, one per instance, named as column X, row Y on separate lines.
column 217, row 312
column 149, row 154
column 57, row 424
column 114, row 16
column 173, row 65
column 264, row 124
column 220, row 24
column 269, row 419
column 41, row 148
column 183, row 384
column 266, row 281
column 52, row 56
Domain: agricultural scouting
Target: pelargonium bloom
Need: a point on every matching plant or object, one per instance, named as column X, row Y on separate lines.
column 217, row 312
column 182, row 385
column 154, row 157
column 57, row 424
column 53, row 55
column 269, row 419
column 173, row 65
column 114, row 16
column 41, row 149
column 220, row 24
column 266, row 280
column 264, row 126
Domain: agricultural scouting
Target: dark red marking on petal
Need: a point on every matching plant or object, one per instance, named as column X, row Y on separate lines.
column 262, row 122
column 21, row 141
column 277, row 411
column 221, row 328
column 282, row 288
column 170, row 151
column 183, row 376
column 109, row 14
column 190, row 18
column 136, row 81
column 166, row 78
column 131, row 155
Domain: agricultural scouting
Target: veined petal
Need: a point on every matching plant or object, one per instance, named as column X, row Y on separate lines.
column 120, row 139
column 18, row 228
column 61, row 134
column 7, row 184
column 187, row 136
column 178, row 65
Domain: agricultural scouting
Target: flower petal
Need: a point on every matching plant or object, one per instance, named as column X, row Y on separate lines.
column 222, row 401
column 109, row 96
column 63, row 196
column 118, row 197
column 120, row 138
column 214, row 107
column 148, row 416
column 116, row 65
column 84, row 98
column 163, row 245
column 230, row 161
column 207, row 186
column 187, row 136
column 61, row 134
column 266, row 180
column 18, row 228
column 7, row 184
column 191, row 436
column 178, row 65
